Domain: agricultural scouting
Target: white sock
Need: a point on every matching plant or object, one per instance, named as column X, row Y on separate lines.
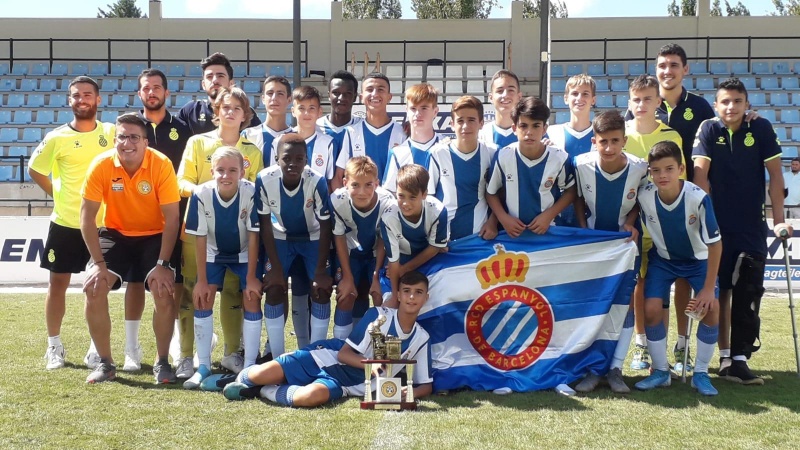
column 724, row 353
column 274, row 318
column 132, row 333
column 657, row 345
column 251, row 331
column 269, row 392
column 92, row 348
column 54, row 341
column 300, row 319
column 203, row 331
column 641, row 340
column 706, row 341
column 681, row 344
column 320, row 317
column 176, row 333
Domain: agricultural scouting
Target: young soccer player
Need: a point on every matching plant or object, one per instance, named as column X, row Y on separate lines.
column 730, row 155
column 377, row 133
column 232, row 114
column 294, row 215
column 222, row 217
column 686, row 244
column 414, row 228
column 342, row 93
column 504, row 93
column 458, row 173
column 421, row 108
column 608, row 180
column 333, row 369
column 276, row 101
column 538, row 180
column 357, row 209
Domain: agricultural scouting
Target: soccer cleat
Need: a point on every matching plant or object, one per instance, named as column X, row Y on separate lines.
column 54, row 357
column 678, row 366
column 217, row 382
column 641, row 358
column 702, row 383
column 163, row 372
column 233, row 362
column 133, row 359
column 740, row 373
column 659, row 378
column 195, row 380
column 92, row 359
column 196, row 360
column 565, row 390
column 588, row 383
column 184, row 368
column 616, row 383
column 724, row 366
column 233, row 391
column 102, row 372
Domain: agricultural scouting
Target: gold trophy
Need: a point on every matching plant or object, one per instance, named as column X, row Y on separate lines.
column 387, row 352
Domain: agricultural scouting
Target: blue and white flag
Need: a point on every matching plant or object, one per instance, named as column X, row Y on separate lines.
column 527, row 313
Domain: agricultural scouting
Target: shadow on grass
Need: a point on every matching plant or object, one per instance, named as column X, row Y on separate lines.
column 529, row 401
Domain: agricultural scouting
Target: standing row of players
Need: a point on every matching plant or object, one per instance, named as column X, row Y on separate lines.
column 421, row 104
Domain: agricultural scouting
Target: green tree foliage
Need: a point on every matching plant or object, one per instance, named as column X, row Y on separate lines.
column 686, row 8
column 532, row 8
column 716, row 9
column 121, row 8
column 372, row 9
column 736, row 10
column 453, row 9
column 786, row 8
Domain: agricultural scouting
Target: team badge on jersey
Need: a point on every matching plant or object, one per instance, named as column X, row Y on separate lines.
column 309, row 203
column 51, row 256
column 173, row 134
column 202, row 117
column 102, row 141
column 692, row 219
column 144, row 187
column 246, row 163
column 749, row 140
column 631, row 194
column 507, row 303
column 319, row 161
column 243, row 214
column 549, row 183
column 688, row 114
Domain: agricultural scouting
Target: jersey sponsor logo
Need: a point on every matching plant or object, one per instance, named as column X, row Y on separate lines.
column 201, row 117
column 273, row 203
column 24, row 250
column 173, row 134
column 144, row 187
column 77, row 144
column 749, row 140
column 102, row 141
column 721, row 140
column 549, row 183
column 587, row 187
column 493, row 318
column 692, row 219
column 688, row 114
column 631, row 194
column 117, row 187
column 246, row 163
column 509, row 178
column 445, row 173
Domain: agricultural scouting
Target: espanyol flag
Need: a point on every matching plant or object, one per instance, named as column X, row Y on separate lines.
column 527, row 313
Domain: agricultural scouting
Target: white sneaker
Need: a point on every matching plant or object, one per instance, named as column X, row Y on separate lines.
column 133, row 359
column 233, row 362
column 196, row 360
column 184, row 368
column 54, row 357
column 92, row 359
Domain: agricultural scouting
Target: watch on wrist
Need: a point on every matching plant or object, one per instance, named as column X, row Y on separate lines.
column 164, row 263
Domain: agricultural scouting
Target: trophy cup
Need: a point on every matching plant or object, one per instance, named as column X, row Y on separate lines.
column 389, row 392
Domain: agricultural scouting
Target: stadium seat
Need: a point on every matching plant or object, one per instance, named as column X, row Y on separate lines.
column 574, row 69
column 40, row 69
column 8, row 135
column 790, row 83
column 195, row 71
column 758, row 99
column 562, row 117
column 31, row 135
column 392, row 71
column 5, row 116
column 20, row 69
column 698, row 68
column 492, row 69
column 252, row 86
column 781, row 68
column 781, row 133
column 7, row 84
column 556, row 71
column 795, row 134
column 35, row 100
column 7, row 173
column 434, row 72
column 119, row 101
column 615, row 70
column 601, row 84
column 796, row 99
column 177, row 70
column 790, row 116
column 22, row 117
column 109, row 85
column 768, row 114
column 64, row 116
column 98, row 69
column 129, row 85
column 438, row 85
column 476, row 87
column 450, row 99
column 749, row 83
column 119, row 70
column 595, row 70
column 761, row 68
column 557, row 86
column 720, row 68
column 257, row 71
column 28, row 84
column 688, row 83
column 160, row 66
column 47, row 85
column 182, row 99
column 605, row 101
column 191, row 86
column 454, row 87
column 18, row 151
column 474, row 71
column 15, row 100
column 173, row 85
column 619, row 85
column 44, row 117
column 622, row 101
column 414, row 72
column 454, row 71
column 290, row 73
column 395, row 88
column 636, row 69
column 739, row 68
column 789, row 152
column 779, row 99
column 63, row 85
column 3, row 69
column 705, row 84
column 239, row 70
column 136, row 69
column 278, row 70
column 558, row 102
column 769, row 83
column 79, row 69
column 57, row 101
column 108, row 116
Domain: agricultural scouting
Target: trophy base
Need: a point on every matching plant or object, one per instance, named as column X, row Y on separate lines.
column 392, row 406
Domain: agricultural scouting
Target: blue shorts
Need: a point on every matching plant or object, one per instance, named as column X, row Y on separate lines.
column 662, row 273
column 289, row 251
column 300, row 369
column 215, row 273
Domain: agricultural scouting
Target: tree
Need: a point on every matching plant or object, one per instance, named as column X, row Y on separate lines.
column 532, row 8
column 687, row 8
column 453, row 9
column 121, row 8
column 786, row 8
column 716, row 9
column 736, row 10
column 372, row 9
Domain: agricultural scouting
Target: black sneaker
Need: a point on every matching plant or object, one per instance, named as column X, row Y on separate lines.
column 724, row 366
column 738, row 372
column 163, row 372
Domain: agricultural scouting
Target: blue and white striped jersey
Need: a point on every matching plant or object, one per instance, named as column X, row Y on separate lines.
column 337, row 133
column 573, row 142
column 609, row 196
column 224, row 223
column 360, row 227
column 362, row 139
column 458, row 180
column 263, row 137
column 404, row 240
column 295, row 214
column 499, row 137
column 319, row 154
column 531, row 186
column 681, row 230
column 409, row 152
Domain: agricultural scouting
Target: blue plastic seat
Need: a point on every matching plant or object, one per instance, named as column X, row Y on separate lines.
column 688, row 83
column 108, row 116
column 779, row 99
column 65, row 116
column 47, row 85
column 22, row 117
column 622, row 101
column 605, row 101
column 562, row 117
column 790, row 116
column 720, row 68
column 558, row 102
column 173, row 85
column 781, row 68
column 739, row 68
column 619, row 85
column 781, row 133
column 7, row 173
column 191, row 86
column 768, row 114
column 195, row 71
column 257, row 71
column 796, row 99
column 8, row 135
column 749, row 83
column 239, row 70
column 39, row 69
column 556, row 70
column 698, row 68
column 251, row 86
column 758, row 99
column 129, row 85
column 28, row 84
column 136, row 69
column 31, row 135
column 177, row 70
column 615, row 70
column 119, row 70
column 636, row 69
column 109, row 85
column 18, row 151
column 5, row 115
column 7, row 84
column 277, row 70
column 119, row 101
column 182, row 99
column 79, row 69
column 795, row 134
column 595, row 70
column 601, row 84
column 98, row 69
column 558, row 85
column 761, row 68
column 789, row 152
column 291, row 71
column 161, row 66
column 15, row 100
column 790, row 83
column 44, row 117
column 19, row 69
column 3, row 69
column 574, row 69
column 705, row 84
column 769, row 83
column 57, row 100
column 35, row 100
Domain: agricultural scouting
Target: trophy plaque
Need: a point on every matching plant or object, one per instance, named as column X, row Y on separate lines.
column 389, row 391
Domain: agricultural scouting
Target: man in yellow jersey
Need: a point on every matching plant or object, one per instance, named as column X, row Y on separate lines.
column 139, row 227
column 64, row 155
column 232, row 114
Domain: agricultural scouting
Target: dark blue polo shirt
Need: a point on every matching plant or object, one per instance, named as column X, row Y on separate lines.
column 169, row 137
column 198, row 114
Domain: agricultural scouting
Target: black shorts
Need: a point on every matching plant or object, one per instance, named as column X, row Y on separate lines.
column 65, row 251
column 135, row 276
column 130, row 258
